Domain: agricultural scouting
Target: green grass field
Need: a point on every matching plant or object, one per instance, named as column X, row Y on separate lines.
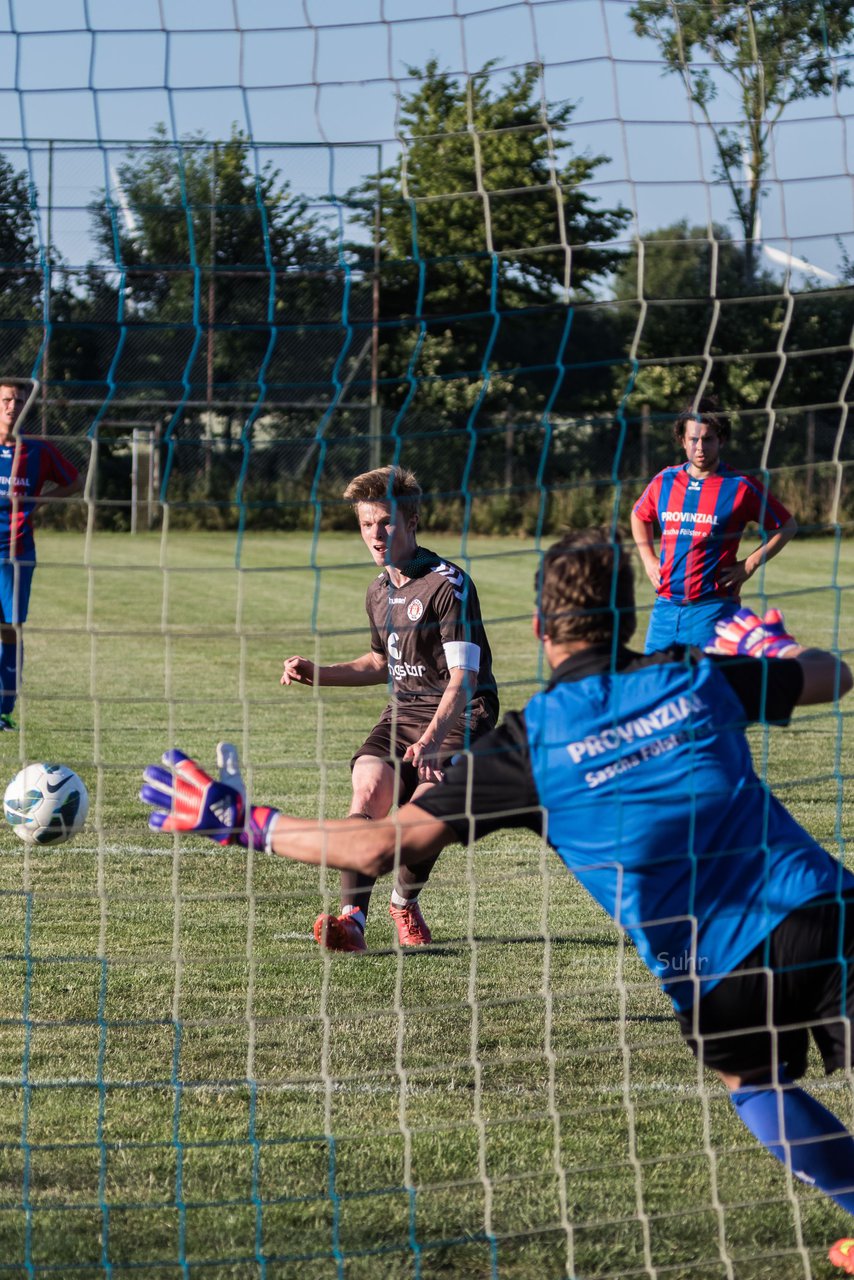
column 190, row 1088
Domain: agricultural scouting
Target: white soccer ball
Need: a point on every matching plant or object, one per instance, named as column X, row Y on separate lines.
column 46, row 804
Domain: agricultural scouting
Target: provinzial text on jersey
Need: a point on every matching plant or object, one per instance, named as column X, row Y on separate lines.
column 658, row 747
column 663, row 717
column 688, row 517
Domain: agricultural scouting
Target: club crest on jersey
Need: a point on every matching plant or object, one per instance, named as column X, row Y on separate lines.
column 414, row 610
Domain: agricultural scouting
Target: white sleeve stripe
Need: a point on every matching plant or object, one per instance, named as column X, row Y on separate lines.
column 459, row 653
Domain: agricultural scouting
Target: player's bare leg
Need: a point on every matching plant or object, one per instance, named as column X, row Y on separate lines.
column 373, row 795
column 404, row 908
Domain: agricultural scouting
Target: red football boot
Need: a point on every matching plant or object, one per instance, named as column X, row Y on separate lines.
column 339, row 933
column 412, row 928
column 841, row 1254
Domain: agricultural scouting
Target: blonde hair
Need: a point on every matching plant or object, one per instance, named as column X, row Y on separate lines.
column 396, row 486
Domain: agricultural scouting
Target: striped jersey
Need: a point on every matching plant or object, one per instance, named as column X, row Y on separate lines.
column 27, row 464
column 701, row 524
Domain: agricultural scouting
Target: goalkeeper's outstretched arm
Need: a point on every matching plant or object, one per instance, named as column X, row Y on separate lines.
column 374, row 848
column 186, row 799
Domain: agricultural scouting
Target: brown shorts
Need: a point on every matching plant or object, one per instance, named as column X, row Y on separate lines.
column 395, row 732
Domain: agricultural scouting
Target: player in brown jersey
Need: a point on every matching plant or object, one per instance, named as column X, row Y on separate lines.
column 429, row 645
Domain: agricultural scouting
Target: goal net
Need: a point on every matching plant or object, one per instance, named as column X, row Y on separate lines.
column 248, row 251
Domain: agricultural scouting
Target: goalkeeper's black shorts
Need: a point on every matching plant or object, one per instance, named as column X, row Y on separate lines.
column 798, row 981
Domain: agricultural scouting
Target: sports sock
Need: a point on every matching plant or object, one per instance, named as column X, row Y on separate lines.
column 355, row 913
column 398, row 900
column 356, row 887
column 818, row 1147
column 8, row 676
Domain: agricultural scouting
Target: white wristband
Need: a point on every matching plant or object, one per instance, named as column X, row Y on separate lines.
column 268, row 839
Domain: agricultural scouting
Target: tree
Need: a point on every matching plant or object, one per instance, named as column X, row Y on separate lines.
column 21, row 275
column 488, row 233
column 774, row 358
column 775, row 52
column 209, row 246
column 690, row 283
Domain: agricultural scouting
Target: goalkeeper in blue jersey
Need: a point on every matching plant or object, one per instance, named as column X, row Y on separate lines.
column 637, row 771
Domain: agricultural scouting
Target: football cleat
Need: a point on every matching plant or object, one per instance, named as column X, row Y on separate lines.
column 7, row 724
column 841, row 1254
column 412, row 928
column 339, row 933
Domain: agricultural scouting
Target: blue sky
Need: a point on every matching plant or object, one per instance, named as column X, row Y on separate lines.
column 330, row 72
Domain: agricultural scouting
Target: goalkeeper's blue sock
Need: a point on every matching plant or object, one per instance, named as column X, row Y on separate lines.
column 8, row 676
column 818, row 1147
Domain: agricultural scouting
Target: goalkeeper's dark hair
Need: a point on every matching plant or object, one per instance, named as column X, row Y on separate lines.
column 708, row 411
column 586, row 589
column 396, row 486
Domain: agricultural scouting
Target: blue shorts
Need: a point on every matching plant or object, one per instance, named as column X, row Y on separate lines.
column 672, row 623
column 16, row 580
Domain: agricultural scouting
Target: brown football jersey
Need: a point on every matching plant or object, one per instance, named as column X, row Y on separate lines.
column 427, row 626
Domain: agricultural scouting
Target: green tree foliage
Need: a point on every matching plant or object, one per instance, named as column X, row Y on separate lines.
column 21, row 275
column 210, row 248
column 488, row 235
column 773, row 53
column 775, row 358
column 216, row 287
column 683, row 306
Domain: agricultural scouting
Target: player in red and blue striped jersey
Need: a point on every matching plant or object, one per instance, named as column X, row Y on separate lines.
column 27, row 464
column 702, row 507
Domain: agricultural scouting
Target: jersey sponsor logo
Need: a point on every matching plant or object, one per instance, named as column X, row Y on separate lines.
column 687, row 524
column 595, row 777
column 666, row 716
column 400, row 670
column 397, row 599
column 688, row 517
column 415, row 610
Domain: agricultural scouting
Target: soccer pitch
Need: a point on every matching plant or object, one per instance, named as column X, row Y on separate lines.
column 191, row 1088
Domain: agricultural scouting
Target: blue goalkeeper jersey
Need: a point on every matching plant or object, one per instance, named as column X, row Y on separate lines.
column 642, row 780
